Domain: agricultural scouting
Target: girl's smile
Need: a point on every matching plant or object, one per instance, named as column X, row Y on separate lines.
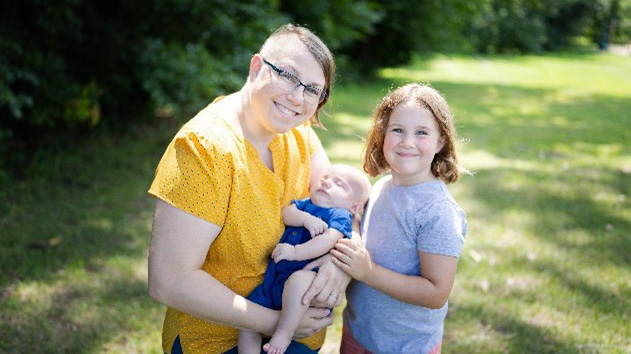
column 411, row 141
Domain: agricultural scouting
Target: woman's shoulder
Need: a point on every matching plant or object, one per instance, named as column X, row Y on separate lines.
column 211, row 130
column 302, row 139
column 303, row 132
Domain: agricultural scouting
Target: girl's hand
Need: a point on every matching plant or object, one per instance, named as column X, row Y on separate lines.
column 315, row 319
column 327, row 288
column 353, row 258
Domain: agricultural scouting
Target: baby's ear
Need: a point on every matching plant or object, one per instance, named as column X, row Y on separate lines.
column 355, row 208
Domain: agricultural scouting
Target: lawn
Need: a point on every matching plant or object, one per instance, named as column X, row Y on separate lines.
column 547, row 262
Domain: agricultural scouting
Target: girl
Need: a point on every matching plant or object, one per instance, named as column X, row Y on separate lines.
column 413, row 229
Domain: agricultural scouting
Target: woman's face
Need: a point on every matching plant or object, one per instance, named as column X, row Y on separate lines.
column 277, row 108
column 412, row 139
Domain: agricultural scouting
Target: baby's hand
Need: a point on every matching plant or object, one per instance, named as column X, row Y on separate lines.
column 284, row 251
column 315, row 226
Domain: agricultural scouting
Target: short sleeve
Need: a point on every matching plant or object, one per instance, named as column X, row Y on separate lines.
column 442, row 230
column 312, row 140
column 193, row 176
column 301, row 204
column 342, row 220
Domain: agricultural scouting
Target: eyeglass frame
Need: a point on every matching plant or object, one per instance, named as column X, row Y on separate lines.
column 279, row 72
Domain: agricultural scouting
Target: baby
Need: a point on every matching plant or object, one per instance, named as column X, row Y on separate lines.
column 314, row 226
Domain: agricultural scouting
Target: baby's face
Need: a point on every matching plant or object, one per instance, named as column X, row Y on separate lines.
column 336, row 188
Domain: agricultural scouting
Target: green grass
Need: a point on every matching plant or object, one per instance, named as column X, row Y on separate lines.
column 547, row 262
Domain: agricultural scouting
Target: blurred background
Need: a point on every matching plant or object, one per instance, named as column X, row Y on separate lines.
column 91, row 92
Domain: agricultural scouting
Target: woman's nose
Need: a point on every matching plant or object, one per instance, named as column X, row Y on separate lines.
column 297, row 95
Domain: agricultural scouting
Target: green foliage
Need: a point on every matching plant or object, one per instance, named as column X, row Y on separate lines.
column 339, row 23
column 406, row 27
column 185, row 64
column 611, row 22
column 84, row 109
column 623, row 24
column 527, row 25
column 74, row 63
column 71, row 65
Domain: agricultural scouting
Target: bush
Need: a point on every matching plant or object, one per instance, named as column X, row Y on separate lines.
column 76, row 64
column 73, row 64
column 406, row 27
column 527, row 25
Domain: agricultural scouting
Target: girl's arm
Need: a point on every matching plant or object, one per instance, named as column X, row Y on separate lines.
column 431, row 289
column 179, row 244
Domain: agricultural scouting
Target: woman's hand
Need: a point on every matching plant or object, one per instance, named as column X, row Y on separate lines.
column 314, row 321
column 353, row 258
column 327, row 289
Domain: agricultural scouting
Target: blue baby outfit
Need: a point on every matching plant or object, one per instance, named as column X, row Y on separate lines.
column 270, row 292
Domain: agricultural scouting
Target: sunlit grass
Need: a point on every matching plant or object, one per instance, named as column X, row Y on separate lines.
column 575, row 74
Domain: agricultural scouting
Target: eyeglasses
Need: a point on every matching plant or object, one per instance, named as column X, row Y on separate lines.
column 289, row 82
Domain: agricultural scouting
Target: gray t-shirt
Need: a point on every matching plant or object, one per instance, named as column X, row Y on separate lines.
column 400, row 222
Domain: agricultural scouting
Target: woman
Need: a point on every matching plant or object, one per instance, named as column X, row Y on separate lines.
column 220, row 187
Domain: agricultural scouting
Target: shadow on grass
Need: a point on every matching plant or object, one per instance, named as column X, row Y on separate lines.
column 78, row 215
column 83, row 319
column 85, row 204
column 519, row 336
column 559, row 205
column 604, row 301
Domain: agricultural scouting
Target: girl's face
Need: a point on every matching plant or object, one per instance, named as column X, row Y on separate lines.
column 411, row 141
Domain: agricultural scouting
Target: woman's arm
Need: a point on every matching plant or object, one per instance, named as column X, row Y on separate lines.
column 179, row 244
column 429, row 290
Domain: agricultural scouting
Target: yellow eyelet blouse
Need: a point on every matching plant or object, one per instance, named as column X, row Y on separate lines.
column 212, row 172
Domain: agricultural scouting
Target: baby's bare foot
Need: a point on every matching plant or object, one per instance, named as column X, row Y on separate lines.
column 278, row 344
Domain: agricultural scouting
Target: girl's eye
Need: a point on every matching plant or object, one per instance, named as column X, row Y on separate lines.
column 397, row 130
column 421, row 132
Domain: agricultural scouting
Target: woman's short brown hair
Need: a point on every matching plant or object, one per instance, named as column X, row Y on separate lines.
column 445, row 162
column 320, row 52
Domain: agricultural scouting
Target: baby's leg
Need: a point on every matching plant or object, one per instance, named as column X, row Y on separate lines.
column 249, row 342
column 292, row 312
